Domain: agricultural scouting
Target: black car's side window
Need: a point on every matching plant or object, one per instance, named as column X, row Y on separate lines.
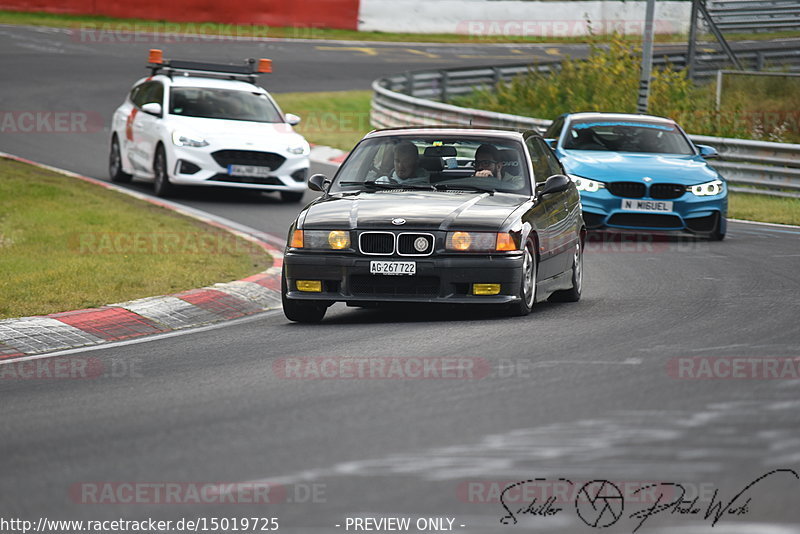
column 541, row 168
column 552, row 162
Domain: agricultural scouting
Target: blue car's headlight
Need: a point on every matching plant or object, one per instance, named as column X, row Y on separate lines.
column 707, row 189
column 585, row 184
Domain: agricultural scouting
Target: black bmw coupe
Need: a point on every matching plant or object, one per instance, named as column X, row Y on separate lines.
column 438, row 214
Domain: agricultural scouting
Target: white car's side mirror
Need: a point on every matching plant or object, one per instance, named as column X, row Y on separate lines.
column 153, row 108
column 292, row 119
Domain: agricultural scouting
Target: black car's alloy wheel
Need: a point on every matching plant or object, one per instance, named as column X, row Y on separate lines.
column 115, row 171
column 301, row 311
column 527, row 290
column 163, row 187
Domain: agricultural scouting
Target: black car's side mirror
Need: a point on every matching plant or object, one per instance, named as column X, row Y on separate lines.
column 319, row 182
column 558, row 183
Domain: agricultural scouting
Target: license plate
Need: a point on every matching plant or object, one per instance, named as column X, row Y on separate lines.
column 651, row 206
column 249, row 170
column 393, row 267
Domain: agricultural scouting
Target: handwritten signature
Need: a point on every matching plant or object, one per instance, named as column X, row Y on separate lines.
column 600, row 503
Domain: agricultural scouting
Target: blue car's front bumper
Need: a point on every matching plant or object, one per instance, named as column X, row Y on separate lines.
column 697, row 214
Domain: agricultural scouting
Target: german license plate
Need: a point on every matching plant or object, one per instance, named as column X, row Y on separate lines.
column 650, row 206
column 393, row 267
column 249, row 170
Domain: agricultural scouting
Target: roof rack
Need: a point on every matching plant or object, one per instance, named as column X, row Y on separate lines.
column 249, row 71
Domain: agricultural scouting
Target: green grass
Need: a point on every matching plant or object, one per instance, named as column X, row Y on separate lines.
column 111, row 25
column 764, row 209
column 67, row 244
column 338, row 119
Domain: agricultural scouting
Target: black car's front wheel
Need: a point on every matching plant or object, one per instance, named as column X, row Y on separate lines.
column 301, row 311
column 527, row 289
column 572, row 294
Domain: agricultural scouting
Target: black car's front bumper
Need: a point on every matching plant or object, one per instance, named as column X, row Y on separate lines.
column 448, row 279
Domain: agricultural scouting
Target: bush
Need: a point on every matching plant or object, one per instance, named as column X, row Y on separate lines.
column 608, row 81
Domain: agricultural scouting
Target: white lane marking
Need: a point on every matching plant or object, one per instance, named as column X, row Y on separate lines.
column 776, row 225
column 145, row 339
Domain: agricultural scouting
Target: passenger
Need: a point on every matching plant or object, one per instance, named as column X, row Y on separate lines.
column 406, row 166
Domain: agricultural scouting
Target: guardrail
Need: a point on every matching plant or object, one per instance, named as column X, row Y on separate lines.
column 754, row 16
column 408, row 100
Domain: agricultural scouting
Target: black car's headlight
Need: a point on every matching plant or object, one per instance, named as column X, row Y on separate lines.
column 480, row 242
column 321, row 239
column 585, row 184
column 707, row 189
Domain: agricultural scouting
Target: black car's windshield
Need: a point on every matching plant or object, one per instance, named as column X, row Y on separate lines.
column 435, row 163
column 626, row 136
column 212, row 103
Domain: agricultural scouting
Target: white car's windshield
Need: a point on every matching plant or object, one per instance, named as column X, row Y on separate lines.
column 436, row 163
column 626, row 136
column 222, row 104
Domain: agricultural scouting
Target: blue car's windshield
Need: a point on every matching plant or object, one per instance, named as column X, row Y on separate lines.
column 627, row 136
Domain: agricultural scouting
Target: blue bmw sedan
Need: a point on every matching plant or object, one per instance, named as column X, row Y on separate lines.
column 640, row 172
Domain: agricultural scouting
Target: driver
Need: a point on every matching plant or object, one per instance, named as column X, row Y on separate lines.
column 489, row 164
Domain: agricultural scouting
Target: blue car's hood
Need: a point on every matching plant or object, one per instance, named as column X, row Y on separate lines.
column 627, row 166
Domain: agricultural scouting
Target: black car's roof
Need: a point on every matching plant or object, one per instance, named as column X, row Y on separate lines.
column 470, row 131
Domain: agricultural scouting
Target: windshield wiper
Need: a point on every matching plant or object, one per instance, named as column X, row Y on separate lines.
column 457, row 187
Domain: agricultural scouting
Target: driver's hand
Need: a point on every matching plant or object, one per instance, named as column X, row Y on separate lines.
column 485, row 173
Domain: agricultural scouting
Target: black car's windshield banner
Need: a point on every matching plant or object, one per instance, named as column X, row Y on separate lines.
column 601, row 503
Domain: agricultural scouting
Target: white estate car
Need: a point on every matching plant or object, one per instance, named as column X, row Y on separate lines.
column 195, row 123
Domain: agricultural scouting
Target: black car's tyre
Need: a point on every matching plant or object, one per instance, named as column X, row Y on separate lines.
column 527, row 289
column 163, row 187
column 292, row 196
column 574, row 293
column 115, row 171
column 718, row 234
column 301, row 311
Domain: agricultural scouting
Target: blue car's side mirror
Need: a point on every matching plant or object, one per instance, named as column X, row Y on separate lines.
column 551, row 143
column 708, row 152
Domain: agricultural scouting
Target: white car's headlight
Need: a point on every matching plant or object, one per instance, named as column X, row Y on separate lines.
column 182, row 139
column 707, row 189
column 299, row 148
column 585, row 184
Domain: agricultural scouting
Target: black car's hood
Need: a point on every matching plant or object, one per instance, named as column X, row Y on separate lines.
column 428, row 210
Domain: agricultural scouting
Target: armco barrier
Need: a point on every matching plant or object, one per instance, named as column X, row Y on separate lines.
column 341, row 14
column 771, row 168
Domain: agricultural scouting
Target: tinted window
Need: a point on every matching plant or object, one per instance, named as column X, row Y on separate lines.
column 554, row 167
column 626, row 136
column 539, row 162
column 447, row 162
column 223, row 104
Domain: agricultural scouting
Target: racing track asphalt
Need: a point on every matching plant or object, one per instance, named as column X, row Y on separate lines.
column 583, row 392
